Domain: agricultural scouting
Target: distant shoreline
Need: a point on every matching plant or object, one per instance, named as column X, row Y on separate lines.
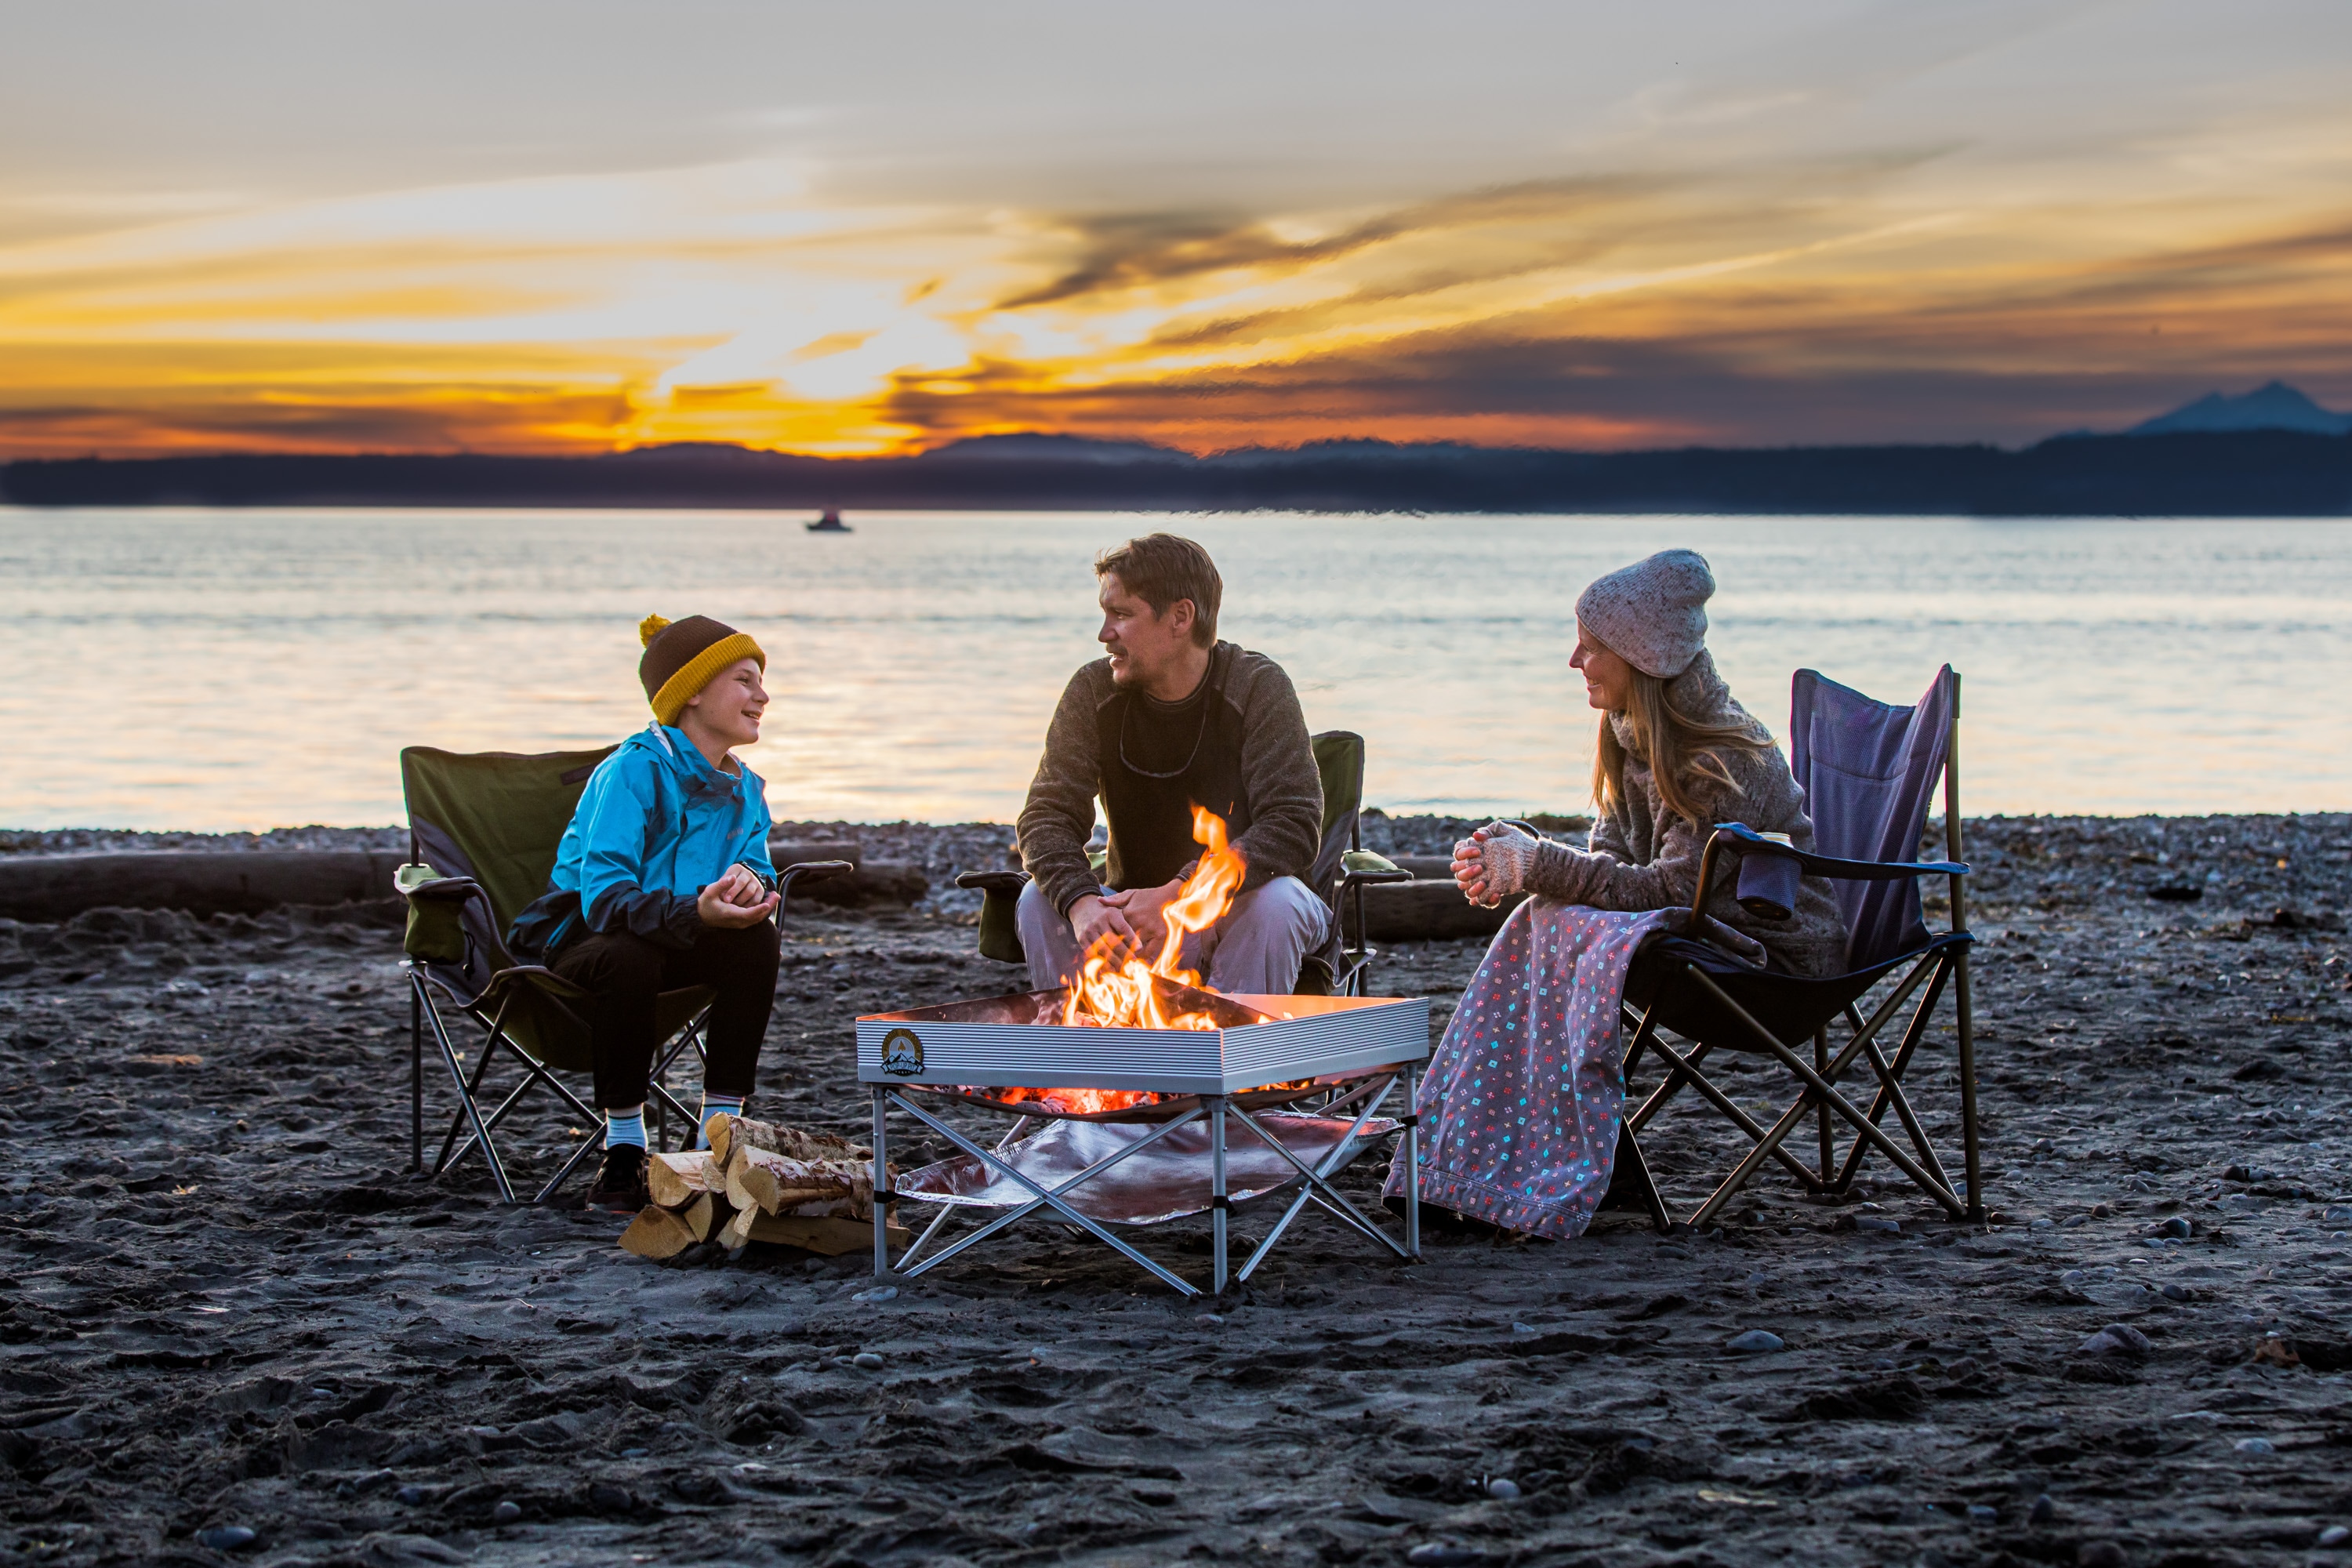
column 2262, row 473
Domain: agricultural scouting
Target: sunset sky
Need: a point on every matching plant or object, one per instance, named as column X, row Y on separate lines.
column 509, row 224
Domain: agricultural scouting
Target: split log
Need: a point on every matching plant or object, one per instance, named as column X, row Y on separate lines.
column 725, row 1131
column 772, row 1183
column 704, row 1215
column 676, row 1180
column 656, row 1233
column 830, row 1237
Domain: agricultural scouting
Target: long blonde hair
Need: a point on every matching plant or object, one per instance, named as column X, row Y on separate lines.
column 1681, row 750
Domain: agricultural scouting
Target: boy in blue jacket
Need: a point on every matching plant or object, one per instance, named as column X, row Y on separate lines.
column 661, row 882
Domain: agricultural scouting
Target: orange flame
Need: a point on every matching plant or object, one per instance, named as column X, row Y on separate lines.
column 1124, row 998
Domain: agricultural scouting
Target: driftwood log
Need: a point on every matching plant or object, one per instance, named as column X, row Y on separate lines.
column 248, row 882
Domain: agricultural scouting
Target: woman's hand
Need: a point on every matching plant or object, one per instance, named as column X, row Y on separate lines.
column 737, row 898
column 1492, row 863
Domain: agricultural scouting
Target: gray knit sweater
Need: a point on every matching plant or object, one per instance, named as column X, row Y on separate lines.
column 1642, row 858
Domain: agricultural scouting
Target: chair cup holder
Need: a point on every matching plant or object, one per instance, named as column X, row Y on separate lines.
column 1768, row 885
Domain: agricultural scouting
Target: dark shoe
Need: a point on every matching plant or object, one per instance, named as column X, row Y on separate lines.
column 620, row 1184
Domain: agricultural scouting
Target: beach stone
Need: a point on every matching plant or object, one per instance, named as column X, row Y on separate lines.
column 1878, row 1223
column 226, row 1537
column 2335, row 1535
column 410, row 1494
column 2072, row 1220
column 2073, row 1279
column 878, row 1294
column 867, row 1360
column 2098, row 1554
column 1756, row 1341
column 2255, row 1447
column 1502, row 1488
column 2176, row 1292
column 2338, row 1213
column 2045, row 1223
column 2178, row 1225
column 608, row 1497
column 505, row 1512
column 2116, row 1340
column 2043, row 1511
column 1443, row 1555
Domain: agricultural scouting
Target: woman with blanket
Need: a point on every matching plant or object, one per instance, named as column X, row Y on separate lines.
column 1523, row 1096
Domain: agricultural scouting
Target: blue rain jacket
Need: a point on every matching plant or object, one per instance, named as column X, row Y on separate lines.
column 654, row 826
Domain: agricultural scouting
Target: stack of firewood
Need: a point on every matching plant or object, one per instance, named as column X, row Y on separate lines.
column 759, row 1182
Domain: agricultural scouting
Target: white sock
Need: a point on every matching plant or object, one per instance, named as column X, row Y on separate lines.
column 625, row 1127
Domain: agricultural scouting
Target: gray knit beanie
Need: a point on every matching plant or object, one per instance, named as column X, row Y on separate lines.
column 1652, row 614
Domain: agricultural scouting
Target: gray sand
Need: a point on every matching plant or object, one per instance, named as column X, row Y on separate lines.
column 228, row 1305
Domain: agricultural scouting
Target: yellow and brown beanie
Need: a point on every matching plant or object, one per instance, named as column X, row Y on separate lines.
column 681, row 656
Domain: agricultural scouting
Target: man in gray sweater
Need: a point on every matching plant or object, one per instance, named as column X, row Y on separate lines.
column 1171, row 719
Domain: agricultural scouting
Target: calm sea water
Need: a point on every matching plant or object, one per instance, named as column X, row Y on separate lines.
column 221, row 669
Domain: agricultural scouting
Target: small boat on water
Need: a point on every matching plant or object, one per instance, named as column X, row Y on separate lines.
column 829, row 523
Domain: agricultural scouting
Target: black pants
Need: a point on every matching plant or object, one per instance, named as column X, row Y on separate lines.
column 622, row 973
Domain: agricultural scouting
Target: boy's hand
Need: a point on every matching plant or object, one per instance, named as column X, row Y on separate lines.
column 736, row 899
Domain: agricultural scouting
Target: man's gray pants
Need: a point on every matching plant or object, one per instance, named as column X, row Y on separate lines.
column 1255, row 951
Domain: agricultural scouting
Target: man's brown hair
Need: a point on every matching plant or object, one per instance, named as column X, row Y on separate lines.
column 1159, row 569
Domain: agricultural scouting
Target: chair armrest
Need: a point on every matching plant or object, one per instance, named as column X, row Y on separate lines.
column 1363, row 868
column 815, row 871
column 993, row 881
column 414, row 881
column 536, row 975
column 1739, row 838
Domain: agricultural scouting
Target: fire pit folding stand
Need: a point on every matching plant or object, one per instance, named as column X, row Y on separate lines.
column 1356, row 1051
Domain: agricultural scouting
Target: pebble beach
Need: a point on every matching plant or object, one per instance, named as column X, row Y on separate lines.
column 237, row 1328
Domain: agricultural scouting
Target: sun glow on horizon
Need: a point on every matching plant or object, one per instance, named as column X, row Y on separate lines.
column 1802, row 245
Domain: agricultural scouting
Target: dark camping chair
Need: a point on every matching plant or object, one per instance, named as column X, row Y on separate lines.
column 1342, row 869
column 1869, row 772
column 483, row 830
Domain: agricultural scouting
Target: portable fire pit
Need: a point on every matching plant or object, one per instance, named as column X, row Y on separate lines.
column 1137, row 1127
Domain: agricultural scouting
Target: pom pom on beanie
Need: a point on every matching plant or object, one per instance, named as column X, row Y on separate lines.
column 1652, row 614
column 649, row 628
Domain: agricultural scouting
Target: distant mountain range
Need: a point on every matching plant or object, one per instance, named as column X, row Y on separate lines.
column 2269, row 453
column 2276, row 407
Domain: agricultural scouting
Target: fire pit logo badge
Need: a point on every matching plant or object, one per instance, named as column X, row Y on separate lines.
column 902, row 1053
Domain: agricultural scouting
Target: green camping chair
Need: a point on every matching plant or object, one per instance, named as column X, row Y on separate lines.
column 483, row 830
column 1343, row 869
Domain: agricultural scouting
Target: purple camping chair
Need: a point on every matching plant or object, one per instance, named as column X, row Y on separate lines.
column 1869, row 772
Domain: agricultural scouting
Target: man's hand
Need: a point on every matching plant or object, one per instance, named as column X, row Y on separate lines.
column 1145, row 908
column 1097, row 921
column 737, row 898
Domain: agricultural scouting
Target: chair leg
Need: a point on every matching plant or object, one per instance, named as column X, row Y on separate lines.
column 1836, row 1102
column 1891, row 1078
column 1822, row 1117
column 1970, row 1144
column 1736, row 1117
column 1630, row 1159
column 415, row 1072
